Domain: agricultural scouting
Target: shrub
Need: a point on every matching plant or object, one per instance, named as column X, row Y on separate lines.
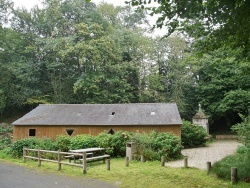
column 63, row 142
column 6, row 132
column 167, row 144
column 115, row 143
column 83, row 141
column 223, row 168
column 243, row 130
column 118, row 143
column 144, row 145
column 16, row 149
column 192, row 135
column 154, row 145
column 104, row 140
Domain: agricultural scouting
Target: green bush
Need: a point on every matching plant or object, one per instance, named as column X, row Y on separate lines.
column 104, row 140
column 144, row 145
column 242, row 161
column 115, row 143
column 243, row 130
column 6, row 132
column 63, row 142
column 154, row 145
column 16, row 149
column 192, row 135
column 167, row 144
column 83, row 141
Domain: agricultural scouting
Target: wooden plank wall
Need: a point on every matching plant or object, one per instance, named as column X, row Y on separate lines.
column 21, row 132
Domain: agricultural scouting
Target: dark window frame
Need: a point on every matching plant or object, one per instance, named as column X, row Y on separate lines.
column 32, row 132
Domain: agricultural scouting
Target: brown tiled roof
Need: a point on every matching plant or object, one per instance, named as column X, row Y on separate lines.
column 103, row 114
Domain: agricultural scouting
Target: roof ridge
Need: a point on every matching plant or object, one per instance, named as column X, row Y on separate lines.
column 105, row 104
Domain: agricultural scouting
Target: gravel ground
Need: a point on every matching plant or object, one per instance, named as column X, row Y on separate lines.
column 14, row 176
column 198, row 157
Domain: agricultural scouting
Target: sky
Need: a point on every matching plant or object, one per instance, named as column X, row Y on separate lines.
column 30, row 3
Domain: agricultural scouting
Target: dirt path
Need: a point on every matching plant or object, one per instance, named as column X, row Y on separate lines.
column 14, row 176
column 198, row 157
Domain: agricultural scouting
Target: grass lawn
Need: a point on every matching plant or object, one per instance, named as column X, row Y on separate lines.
column 148, row 174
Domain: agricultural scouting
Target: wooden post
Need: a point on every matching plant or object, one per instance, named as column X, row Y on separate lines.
column 84, row 162
column 142, row 158
column 208, row 167
column 127, row 161
column 108, row 164
column 163, row 160
column 185, row 162
column 39, row 157
column 59, row 160
column 24, row 154
column 234, row 175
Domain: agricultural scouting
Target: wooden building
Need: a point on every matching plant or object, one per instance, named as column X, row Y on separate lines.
column 50, row 120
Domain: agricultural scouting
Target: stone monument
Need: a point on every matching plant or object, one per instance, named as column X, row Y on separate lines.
column 201, row 120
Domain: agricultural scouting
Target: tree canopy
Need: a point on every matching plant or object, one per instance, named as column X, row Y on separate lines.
column 215, row 22
column 71, row 51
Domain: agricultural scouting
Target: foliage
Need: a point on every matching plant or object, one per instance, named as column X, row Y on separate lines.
column 218, row 91
column 115, row 144
column 82, row 141
column 154, row 145
column 63, row 142
column 6, row 132
column 218, row 23
column 192, row 135
column 241, row 161
column 16, row 149
column 243, row 130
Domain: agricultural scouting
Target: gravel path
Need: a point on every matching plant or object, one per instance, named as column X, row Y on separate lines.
column 198, row 157
column 14, row 176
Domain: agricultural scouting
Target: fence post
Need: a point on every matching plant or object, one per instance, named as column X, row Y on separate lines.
column 39, row 157
column 185, row 161
column 234, row 175
column 24, row 154
column 127, row 161
column 59, row 160
column 142, row 158
column 208, row 167
column 84, row 163
column 108, row 164
column 163, row 160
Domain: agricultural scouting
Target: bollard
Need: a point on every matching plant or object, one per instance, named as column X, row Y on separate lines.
column 108, row 164
column 208, row 167
column 163, row 160
column 24, row 154
column 127, row 161
column 234, row 175
column 185, row 161
column 142, row 158
column 39, row 157
column 59, row 160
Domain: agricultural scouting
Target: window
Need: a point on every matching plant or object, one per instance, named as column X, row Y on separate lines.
column 32, row 132
column 111, row 131
column 70, row 131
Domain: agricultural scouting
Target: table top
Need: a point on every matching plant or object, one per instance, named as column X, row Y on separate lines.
column 86, row 150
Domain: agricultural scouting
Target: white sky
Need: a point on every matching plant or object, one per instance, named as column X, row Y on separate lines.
column 30, row 3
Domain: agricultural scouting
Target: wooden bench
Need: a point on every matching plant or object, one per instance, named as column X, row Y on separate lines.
column 97, row 158
column 70, row 157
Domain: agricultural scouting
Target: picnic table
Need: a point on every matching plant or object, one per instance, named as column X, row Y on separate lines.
column 90, row 154
column 90, row 151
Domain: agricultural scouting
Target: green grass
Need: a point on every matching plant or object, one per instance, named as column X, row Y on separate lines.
column 241, row 161
column 148, row 174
